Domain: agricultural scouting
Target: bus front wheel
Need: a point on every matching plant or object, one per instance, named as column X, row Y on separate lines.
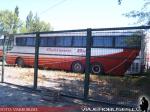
column 77, row 67
column 20, row 62
column 97, row 69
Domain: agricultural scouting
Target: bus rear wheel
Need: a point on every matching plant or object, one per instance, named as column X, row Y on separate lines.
column 20, row 62
column 97, row 68
column 77, row 67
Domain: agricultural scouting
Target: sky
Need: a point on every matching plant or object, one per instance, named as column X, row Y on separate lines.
column 76, row 14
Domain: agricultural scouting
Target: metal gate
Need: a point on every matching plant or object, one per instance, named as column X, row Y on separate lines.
column 110, row 86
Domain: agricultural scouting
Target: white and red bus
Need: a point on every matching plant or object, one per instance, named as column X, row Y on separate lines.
column 8, row 41
column 1, row 46
column 110, row 53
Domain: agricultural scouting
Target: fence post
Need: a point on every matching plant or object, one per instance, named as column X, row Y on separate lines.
column 87, row 68
column 37, row 42
column 3, row 59
column 142, row 53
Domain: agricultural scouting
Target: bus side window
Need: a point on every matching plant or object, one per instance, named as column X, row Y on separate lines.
column 50, row 41
column 79, row 41
column 10, row 43
column 1, row 42
column 102, row 41
column 67, row 41
column 120, row 42
column 20, row 41
column 30, row 41
column 84, row 41
column 127, row 41
column 63, row 41
column 43, row 42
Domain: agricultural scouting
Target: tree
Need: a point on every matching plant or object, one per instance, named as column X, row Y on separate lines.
column 33, row 24
column 6, row 21
column 17, row 22
column 23, row 28
column 135, row 39
column 36, row 24
column 29, row 21
column 17, row 11
column 119, row 2
column 45, row 26
column 9, row 21
column 1, row 28
column 143, row 15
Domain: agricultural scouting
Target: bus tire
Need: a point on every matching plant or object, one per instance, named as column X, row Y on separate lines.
column 77, row 67
column 20, row 62
column 97, row 68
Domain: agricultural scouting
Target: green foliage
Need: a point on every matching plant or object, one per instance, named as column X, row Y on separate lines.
column 23, row 28
column 143, row 16
column 17, row 11
column 119, row 2
column 33, row 24
column 29, row 21
column 133, row 41
column 9, row 21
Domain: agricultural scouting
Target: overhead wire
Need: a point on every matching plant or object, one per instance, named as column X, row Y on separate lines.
column 53, row 6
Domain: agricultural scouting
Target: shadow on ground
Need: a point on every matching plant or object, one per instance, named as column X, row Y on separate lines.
column 14, row 96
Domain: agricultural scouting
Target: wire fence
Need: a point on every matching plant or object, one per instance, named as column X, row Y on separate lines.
column 90, row 64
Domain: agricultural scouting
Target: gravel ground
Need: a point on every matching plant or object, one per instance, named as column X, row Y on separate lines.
column 60, row 82
column 14, row 96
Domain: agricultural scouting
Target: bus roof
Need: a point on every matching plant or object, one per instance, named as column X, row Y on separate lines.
column 94, row 33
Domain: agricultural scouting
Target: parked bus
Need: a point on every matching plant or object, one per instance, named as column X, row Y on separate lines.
column 1, row 46
column 111, row 53
column 8, row 41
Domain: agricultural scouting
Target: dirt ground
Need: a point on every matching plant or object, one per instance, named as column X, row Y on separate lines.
column 57, row 82
column 11, row 96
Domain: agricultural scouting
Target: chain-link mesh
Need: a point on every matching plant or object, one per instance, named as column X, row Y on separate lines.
column 115, row 54
column 20, row 55
column 65, row 55
column 119, row 54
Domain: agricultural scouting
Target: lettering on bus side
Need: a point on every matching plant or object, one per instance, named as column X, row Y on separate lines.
column 58, row 50
column 81, row 51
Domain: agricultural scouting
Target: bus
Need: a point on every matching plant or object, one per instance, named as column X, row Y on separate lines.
column 7, row 42
column 111, row 53
column 1, row 46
